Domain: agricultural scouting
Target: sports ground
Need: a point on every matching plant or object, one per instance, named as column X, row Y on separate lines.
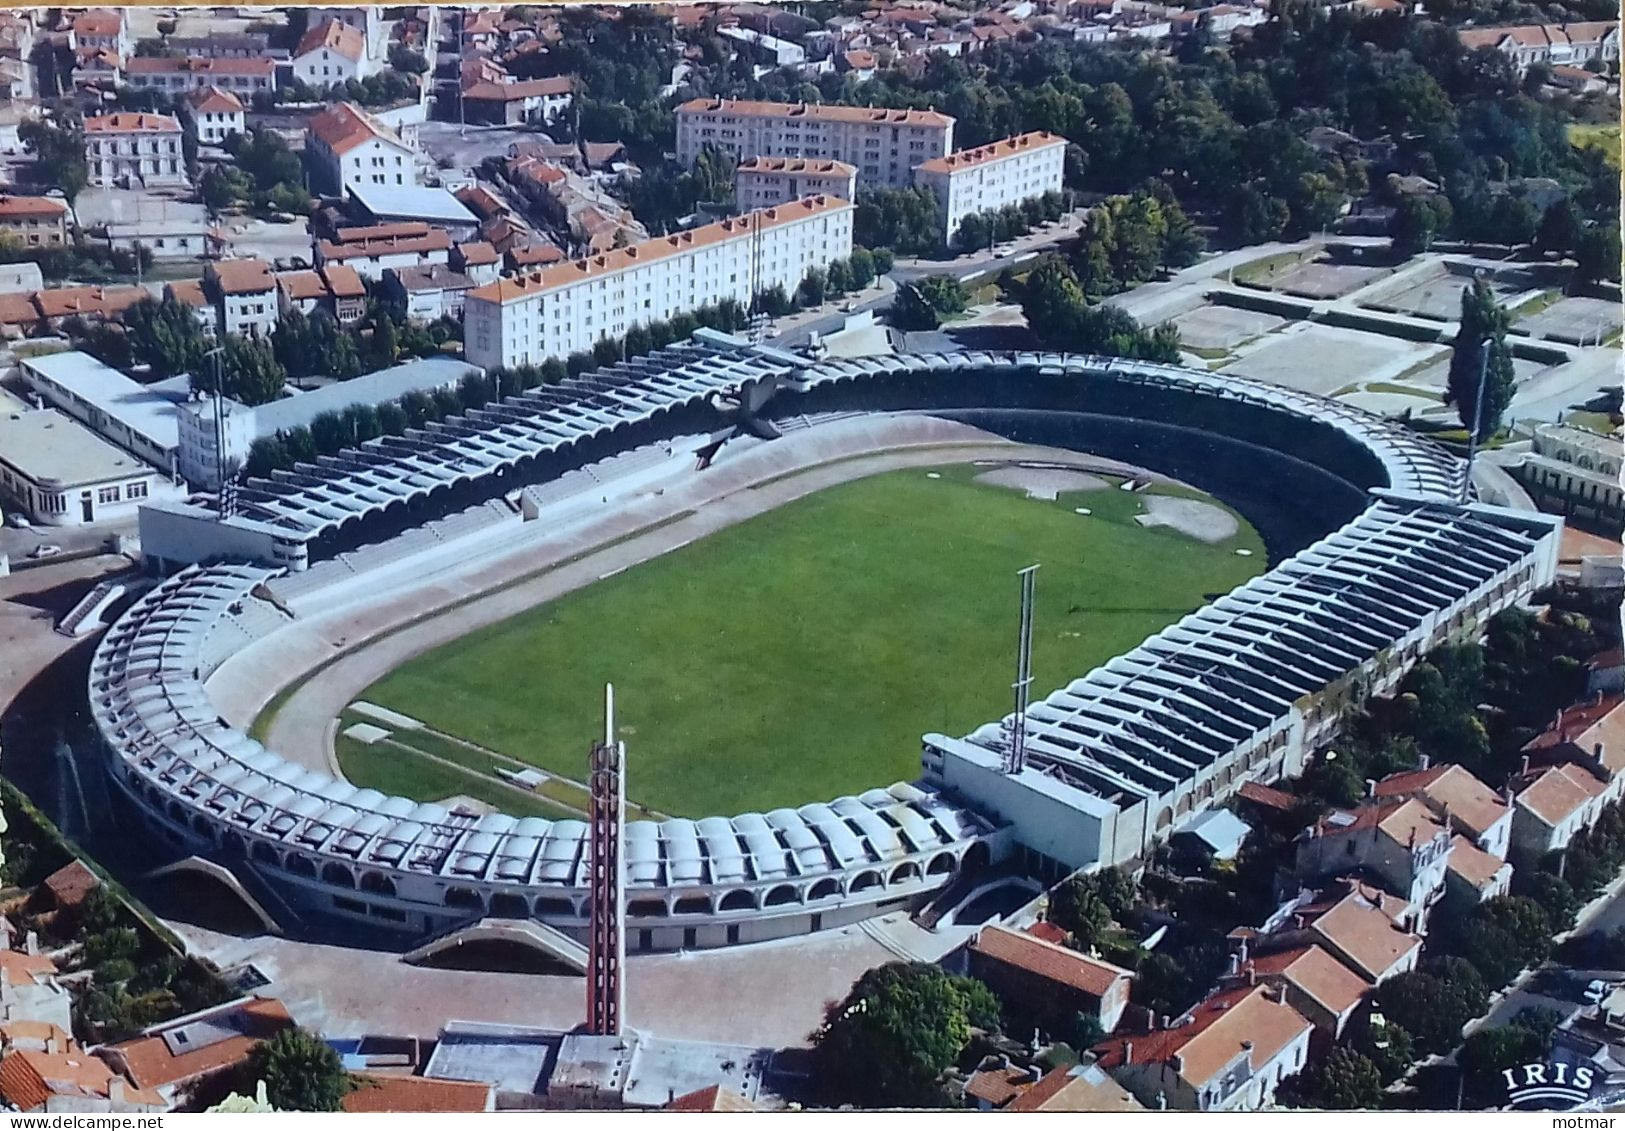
column 800, row 654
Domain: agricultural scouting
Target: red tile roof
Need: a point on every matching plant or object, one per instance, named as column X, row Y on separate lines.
column 1049, row 961
column 149, row 1062
column 131, row 123
column 815, row 111
column 712, row 1099
column 994, row 151
column 416, row 1094
column 336, row 36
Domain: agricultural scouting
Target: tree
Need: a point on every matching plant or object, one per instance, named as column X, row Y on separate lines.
column 1419, row 220
column 1345, row 1080
column 1559, row 228
column 300, row 1072
column 1434, row 1005
column 267, row 454
column 925, row 303
column 1482, row 319
column 407, row 61
column 1596, row 254
column 1078, row 910
column 385, row 340
column 889, row 1041
column 1486, row 1053
column 1389, row 1048
column 165, row 336
column 58, row 146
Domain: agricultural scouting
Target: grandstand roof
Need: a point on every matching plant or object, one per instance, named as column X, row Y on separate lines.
column 148, row 698
column 316, row 498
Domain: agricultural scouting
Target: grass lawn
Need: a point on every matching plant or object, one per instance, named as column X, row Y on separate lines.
column 396, row 771
column 801, row 654
column 1604, row 136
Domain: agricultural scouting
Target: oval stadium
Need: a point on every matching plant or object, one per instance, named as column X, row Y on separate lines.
column 1379, row 556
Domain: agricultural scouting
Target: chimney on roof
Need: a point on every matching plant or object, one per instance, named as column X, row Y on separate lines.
column 1128, row 1052
column 52, row 1045
column 1167, row 1022
column 31, row 942
column 1034, row 1074
column 115, row 1089
column 1422, row 762
column 1252, row 974
column 1371, row 787
column 1523, row 765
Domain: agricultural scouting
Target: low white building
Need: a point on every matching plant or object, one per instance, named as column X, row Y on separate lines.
column 515, row 103
column 134, row 150
column 138, row 418
column 762, row 182
column 170, row 75
column 348, row 148
column 993, row 176
column 216, row 114
column 331, row 52
column 60, row 473
column 568, row 307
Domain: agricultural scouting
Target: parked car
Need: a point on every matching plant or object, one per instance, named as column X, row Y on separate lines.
column 44, row 550
column 1596, row 990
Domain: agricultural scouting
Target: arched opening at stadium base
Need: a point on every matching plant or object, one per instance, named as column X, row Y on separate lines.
column 208, row 895
column 497, row 956
column 994, row 901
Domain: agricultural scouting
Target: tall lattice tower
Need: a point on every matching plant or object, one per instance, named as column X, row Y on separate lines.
column 606, row 941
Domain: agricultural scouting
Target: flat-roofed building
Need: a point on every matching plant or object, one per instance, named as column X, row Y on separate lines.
column 762, row 182
column 390, row 204
column 134, row 150
column 885, row 146
column 138, row 418
column 60, row 473
column 993, row 176
column 34, row 221
column 568, row 307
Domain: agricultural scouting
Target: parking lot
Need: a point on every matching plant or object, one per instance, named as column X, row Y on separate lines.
column 1323, row 359
column 1580, row 321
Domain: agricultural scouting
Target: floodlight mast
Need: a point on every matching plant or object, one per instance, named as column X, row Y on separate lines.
column 606, row 938
column 1015, row 758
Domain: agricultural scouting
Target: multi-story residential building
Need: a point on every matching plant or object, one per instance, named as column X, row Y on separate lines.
column 570, row 306
column 34, row 221
column 1313, row 982
column 1398, row 841
column 332, row 287
column 216, row 114
column 331, row 52
column 429, row 292
column 371, row 251
column 245, row 77
column 103, row 28
column 1230, row 1053
column 1458, row 799
column 244, row 293
column 993, row 176
column 762, row 182
column 885, row 146
column 1550, row 806
column 1552, row 44
column 127, row 150
column 348, row 147
column 1590, row 734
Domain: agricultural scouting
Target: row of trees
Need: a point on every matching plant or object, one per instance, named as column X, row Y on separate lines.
column 984, row 229
column 332, row 432
column 1061, row 317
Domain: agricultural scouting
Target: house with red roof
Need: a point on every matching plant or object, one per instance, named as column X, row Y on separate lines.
column 1230, row 1053
column 1047, row 980
column 1397, row 840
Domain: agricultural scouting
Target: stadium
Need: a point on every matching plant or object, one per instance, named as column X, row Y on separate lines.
column 1378, row 561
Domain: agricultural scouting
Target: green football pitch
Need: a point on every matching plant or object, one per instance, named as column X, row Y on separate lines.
column 801, row 654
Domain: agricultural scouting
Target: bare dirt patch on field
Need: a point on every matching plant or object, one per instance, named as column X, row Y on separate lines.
column 1191, row 517
column 1042, row 482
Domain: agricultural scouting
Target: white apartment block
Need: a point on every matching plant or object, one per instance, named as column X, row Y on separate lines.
column 762, row 182
column 993, row 176
column 567, row 307
column 347, row 147
column 128, row 150
column 885, row 146
column 243, row 77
